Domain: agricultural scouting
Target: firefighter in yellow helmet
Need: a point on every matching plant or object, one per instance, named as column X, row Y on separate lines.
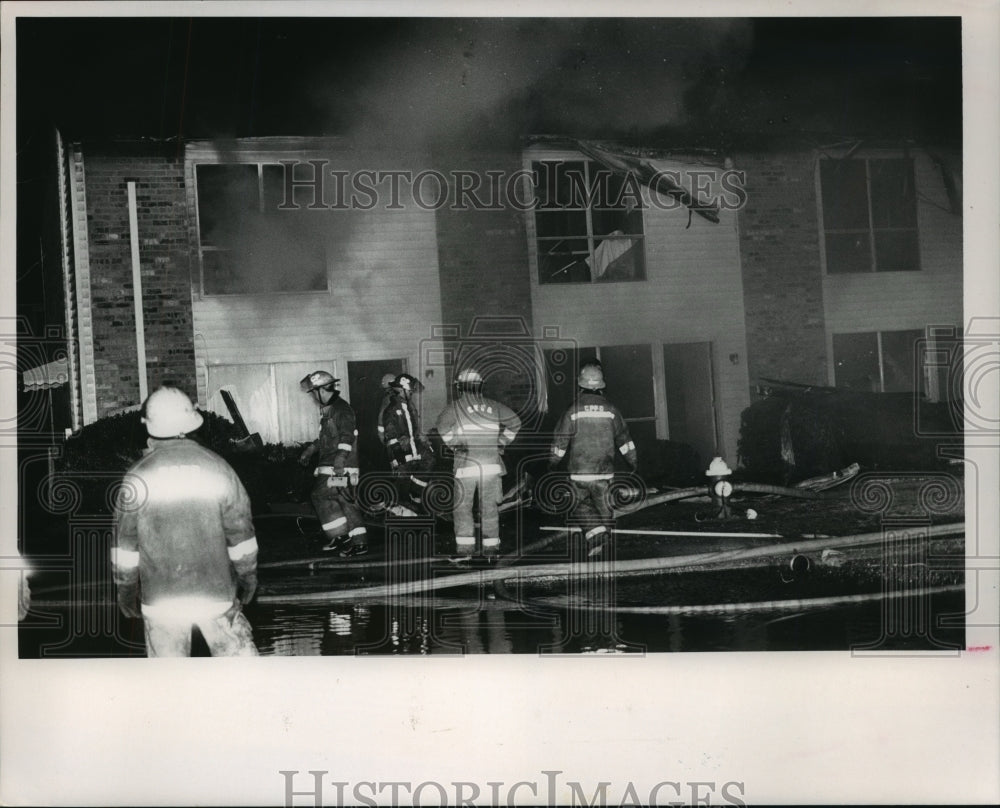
column 184, row 536
column 337, row 471
column 477, row 429
column 589, row 436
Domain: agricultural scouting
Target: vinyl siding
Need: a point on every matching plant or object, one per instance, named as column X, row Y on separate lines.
column 383, row 300
column 692, row 293
column 895, row 301
column 84, row 298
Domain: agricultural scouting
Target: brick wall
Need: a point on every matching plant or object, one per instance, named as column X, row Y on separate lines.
column 782, row 275
column 485, row 282
column 164, row 268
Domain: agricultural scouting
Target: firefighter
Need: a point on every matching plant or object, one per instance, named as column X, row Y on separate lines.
column 337, row 469
column 477, row 430
column 184, row 536
column 588, row 436
column 388, row 380
column 410, row 456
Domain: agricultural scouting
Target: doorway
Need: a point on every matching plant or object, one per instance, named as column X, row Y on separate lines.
column 364, row 380
column 691, row 415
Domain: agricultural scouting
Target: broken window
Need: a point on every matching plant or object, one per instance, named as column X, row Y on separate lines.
column 869, row 215
column 248, row 244
column 880, row 361
column 588, row 223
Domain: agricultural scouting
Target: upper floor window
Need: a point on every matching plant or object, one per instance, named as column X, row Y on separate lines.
column 247, row 244
column 588, row 223
column 869, row 215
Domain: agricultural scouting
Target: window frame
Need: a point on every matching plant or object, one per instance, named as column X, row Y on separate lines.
column 920, row 380
column 535, row 155
column 259, row 163
column 871, row 230
column 587, row 350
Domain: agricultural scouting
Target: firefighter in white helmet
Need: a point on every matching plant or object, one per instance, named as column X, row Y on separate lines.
column 477, row 429
column 589, row 436
column 184, row 540
column 337, row 471
column 410, row 456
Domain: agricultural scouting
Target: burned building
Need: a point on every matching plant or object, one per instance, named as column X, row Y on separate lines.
column 694, row 276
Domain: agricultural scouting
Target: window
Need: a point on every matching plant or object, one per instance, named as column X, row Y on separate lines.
column 628, row 373
column 268, row 397
column 588, row 223
column 869, row 215
column 880, row 361
column 248, row 245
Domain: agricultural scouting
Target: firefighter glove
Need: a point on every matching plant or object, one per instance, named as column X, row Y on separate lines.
column 128, row 600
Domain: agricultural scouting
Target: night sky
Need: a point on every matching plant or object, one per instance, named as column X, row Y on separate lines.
column 202, row 77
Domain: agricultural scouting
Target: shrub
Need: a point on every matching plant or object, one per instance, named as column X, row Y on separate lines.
column 97, row 458
column 790, row 436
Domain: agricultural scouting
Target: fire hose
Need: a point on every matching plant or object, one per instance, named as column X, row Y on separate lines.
column 619, row 568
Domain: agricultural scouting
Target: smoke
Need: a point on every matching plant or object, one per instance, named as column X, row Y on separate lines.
column 438, row 81
column 250, row 245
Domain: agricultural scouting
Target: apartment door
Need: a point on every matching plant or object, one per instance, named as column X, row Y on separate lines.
column 364, row 380
column 691, row 414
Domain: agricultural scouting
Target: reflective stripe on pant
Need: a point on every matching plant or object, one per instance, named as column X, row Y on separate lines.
column 593, row 509
column 490, row 490
column 410, row 482
column 166, row 638
column 337, row 515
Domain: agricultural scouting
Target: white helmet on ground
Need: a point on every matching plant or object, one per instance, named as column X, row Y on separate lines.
column 169, row 413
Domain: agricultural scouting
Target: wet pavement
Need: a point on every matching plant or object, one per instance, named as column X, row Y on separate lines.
column 884, row 597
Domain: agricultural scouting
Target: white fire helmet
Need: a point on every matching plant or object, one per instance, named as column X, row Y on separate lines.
column 469, row 376
column 169, row 413
column 591, row 378
column 317, row 380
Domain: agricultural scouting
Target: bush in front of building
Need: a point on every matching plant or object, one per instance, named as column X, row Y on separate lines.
column 95, row 459
column 791, row 436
